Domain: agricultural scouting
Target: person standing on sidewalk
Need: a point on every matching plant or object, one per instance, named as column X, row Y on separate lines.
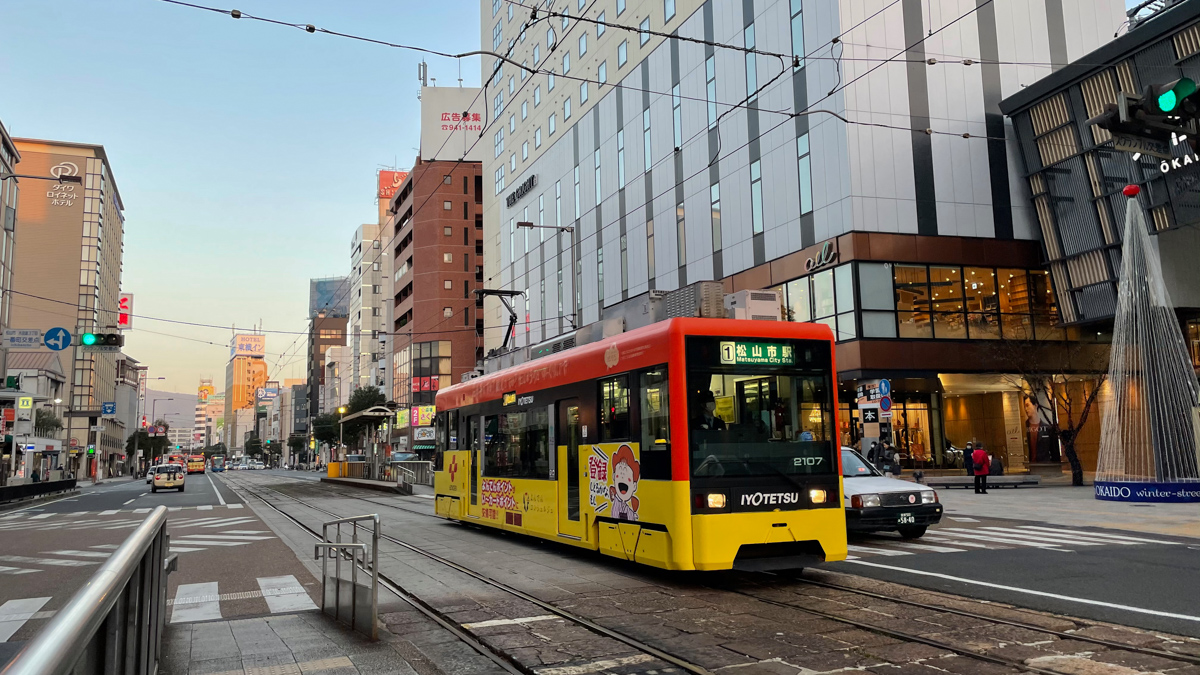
column 969, row 458
column 981, row 464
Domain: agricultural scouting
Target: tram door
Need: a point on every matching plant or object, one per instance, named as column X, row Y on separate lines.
column 567, row 444
column 475, row 446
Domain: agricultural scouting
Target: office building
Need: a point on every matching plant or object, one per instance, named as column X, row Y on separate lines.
column 245, row 373
column 10, row 188
column 71, row 255
column 324, row 331
column 1074, row 176
column 916, row 249
column 366, row 307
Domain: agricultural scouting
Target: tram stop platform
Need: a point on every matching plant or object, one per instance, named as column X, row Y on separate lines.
column 307, row 643
column 381, row 486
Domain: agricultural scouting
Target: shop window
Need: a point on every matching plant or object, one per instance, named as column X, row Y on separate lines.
column 1193, row 341
column 799, row 302
column 911, row 284
column 946, row 288
column 875, row 286
column 878, row 324
column 656, row 424
column 982, row 304
column 614, row 409
column 1015, row 304
column 1045, row 313
column 823, row 298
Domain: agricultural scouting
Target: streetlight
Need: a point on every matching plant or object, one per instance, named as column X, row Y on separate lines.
column 57, row 179
column 341, row 429
column 569, row 229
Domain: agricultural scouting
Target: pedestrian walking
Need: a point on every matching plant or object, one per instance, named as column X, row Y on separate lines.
column 969, row 458
column 982, row 468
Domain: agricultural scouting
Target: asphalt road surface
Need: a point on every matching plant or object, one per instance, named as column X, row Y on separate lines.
column 231, row 564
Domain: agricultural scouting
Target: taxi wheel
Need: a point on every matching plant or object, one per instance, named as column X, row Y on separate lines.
column 154, row 489
column 181, row 490
column 914, row 532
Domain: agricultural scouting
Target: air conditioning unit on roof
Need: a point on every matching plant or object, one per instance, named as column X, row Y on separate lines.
column 754, row 305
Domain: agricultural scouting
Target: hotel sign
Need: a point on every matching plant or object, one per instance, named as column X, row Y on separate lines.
column 523, row 189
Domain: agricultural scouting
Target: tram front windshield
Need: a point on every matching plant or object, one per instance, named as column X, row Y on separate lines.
column 760, row 408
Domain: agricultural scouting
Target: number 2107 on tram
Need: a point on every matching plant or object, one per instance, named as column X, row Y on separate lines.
column 688, row 444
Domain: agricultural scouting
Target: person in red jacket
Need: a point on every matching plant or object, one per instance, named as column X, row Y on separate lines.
column 982, row 466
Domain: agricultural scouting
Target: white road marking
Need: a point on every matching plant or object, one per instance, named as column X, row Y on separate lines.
column 196, row 602
column 956, row 533
column 111, row 547
column 234, row 506
column 14, row 614
column 110, row 512
column 1102, row 536
column 205, row 507
column 227, row 523
column 597, row 666
column 141, row 510
column 285, row 594
column 1029, row 591
column 214, row 487
column 206, row 542
column 47, row 561
column 41, row 516
column 184, row 549
column 80, row 554
column 174, row 508
column 245, row 532
column 962, row 519
column 970, row 544
column 16, row 570
column 877, row 551
column 12, row 517
column 129, row 502
column 508, row 622
column 241, row 537
column 1055, row 539
column 927, row 547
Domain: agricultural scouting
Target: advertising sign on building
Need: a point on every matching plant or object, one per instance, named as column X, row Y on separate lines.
column 389, row 182
column 423, row 433
column 204, row 392
column 422, row 415
column 451, row 119
column 125, row 311
column 330, row 295
column 248, row 345
column 402, row 419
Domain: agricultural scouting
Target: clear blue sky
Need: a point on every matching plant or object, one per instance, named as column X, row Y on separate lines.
column 245, row 152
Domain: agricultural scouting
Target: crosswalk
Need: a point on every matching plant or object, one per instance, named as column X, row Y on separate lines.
column 202, row 601
column 190, row 543
column 191, row 602
column 960, row 539
column 102, row 520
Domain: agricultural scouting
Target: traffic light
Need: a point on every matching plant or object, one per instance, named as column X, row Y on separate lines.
column 1173, row 98
column 102, row 339
column 1141, row 126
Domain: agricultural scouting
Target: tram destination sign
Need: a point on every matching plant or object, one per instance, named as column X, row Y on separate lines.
column 757, row 353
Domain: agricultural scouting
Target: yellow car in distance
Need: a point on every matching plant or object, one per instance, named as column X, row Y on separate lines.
column 168, row 476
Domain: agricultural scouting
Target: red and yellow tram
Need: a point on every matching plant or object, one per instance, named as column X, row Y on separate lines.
column 691, row 444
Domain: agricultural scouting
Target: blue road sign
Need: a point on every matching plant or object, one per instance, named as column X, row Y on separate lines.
column 108, row 408
column 885, row 388
column 57, row 339
column 885, row 403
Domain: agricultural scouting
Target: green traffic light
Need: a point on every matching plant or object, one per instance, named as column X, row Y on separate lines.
column 89, row 339
column 1168, row 101
column 1180, row 89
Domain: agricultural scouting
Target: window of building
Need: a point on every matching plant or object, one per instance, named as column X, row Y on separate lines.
column 448, row 284
column 620, row 7
column 583, row 44
column 497, row 36
column 447, row 312
column 550, row 39
column 676, row 116
column 650, row 249
column 512, row 124
column 499, row 179
column 495, row 6
column 512, row 239
column 567, row 109
column 448, row 257
column 644, row 32
column 512, row 163
column 524, row 110
column 598, row 183
column 680, row 235
column 537, row 55
column 756, row 201
column 912, row 301
column 446, row 206
column 614, row 409
column 549, row 81
column 583, row 92
column 447, row 179
column 600, row 27
column 710, row 89
column 804, row 162
column 517, row 444
column 566, row 18
column 949, row 321
column 524, row 151
column 566, row 62
column 537, row 137
column 668, row 10
column 714, row 196
column 576, row 192
column 982, row 303
column 602, row 72
column 375, row 266
column 798, row 32
column 537, row 96
column 622, row 53
column 510, row 11
column 646, row 154
column 498, row 142
column 448, row 230
column 552, row 123
column 512, row 83
column 498, row 104
column 497, row 72
column 621, row 159
column 600, row 276
column 843, row 284
column 751, row 64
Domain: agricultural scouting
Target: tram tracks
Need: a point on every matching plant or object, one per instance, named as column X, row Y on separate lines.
column 481, row 645
column 966, row 651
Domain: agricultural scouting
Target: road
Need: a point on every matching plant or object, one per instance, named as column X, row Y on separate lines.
column 231, row 563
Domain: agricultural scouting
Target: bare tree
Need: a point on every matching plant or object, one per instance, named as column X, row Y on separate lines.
column 1062, row 380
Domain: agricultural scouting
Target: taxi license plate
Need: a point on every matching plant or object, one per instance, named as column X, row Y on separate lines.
column 907, row 519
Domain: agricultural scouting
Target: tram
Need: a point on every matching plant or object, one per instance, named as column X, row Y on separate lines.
column 688, row 444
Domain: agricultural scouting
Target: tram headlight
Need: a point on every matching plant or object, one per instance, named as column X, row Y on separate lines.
column 817, row 496
column 716, row 500
column 928, row 497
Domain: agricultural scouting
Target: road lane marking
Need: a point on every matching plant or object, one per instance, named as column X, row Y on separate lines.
column 218, row 537
column 16, row 570
column 14, row 614
column 245, row 531
column 129, row 502
column 109, row 512
column 1056, row 539
column 184, row 549
column 80, row 554
column 41, row 516
column 1029, row 591
column 205, row 507
column 47, row 561
column 508, row 622
column 196, row 602
column 1102, row 536
column 214, row 487
column 234, row 506
column 927, row 547
column 227, row 523
column 877, row 551
column 945, row 540
column 961, row 519
column 141, row 510
column 956, row 533
column 111, row 547
column 285, row 594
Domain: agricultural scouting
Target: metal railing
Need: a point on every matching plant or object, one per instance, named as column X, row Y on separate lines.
column 422, row 472
column 114, row 624
column 12, row 493
column 346, row 599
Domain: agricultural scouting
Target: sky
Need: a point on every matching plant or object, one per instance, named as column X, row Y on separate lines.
column 245, row 153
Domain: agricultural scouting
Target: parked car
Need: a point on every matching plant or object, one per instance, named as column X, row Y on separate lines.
column 257, row 465
column 167, row 476
column 876, row 503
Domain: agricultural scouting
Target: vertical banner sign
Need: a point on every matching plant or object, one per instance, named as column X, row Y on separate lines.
column 125, row 311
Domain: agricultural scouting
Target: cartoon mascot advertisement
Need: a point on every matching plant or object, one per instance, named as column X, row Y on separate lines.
column 626, row 471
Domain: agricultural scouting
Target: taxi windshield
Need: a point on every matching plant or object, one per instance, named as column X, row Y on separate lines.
column 854, row 465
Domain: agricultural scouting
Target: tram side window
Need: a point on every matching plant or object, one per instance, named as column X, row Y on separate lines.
column 452, row 431
column 440, row 445
column 614, row 409
column 656, row 424
column 517, row 445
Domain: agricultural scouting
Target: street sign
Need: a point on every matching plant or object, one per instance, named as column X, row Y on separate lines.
column 260, row 393
column 1146, row 146
column 74, row 442
column 869, row 415
column 885, row 407
column 885, row 388
column 108, row 409
column 96, row 427
column 57, row 339
column 23, row 338
column 424, row 433
column 25, row 403
column 112, row 349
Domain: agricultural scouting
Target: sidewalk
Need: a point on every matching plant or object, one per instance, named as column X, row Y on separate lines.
column 309, row 643
column 1073, row 507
